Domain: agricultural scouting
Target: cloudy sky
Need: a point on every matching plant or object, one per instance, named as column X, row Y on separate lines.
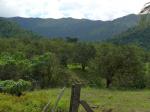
column 90, row 9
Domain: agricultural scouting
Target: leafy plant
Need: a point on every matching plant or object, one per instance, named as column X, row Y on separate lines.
column 13, row 87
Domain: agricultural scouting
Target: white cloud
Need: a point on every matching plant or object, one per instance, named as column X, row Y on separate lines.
column 90, row 9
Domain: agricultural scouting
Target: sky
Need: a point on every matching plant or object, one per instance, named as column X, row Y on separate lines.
column 88, row 9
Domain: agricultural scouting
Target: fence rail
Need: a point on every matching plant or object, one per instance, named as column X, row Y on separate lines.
column 75, row 100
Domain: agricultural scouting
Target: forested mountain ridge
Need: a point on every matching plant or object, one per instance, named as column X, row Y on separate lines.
column 11, row 29
column 80, row 28
column 136, row 35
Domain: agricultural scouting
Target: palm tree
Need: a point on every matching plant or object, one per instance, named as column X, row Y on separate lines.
column 146, row 9
column 145, row 15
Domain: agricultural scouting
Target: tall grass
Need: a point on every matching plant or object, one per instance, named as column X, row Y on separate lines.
column 100, row 99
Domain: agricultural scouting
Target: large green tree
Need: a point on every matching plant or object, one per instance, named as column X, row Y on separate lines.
column 44, row 69
column 120, row 64
column 104, row 63
column 131, row 67
column 83, row 53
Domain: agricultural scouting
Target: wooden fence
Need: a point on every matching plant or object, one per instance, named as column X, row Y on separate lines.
column 75, row 100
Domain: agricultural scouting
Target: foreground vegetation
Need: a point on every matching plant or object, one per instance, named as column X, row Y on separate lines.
column 102, row 100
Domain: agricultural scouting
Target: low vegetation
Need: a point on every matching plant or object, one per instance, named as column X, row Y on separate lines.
column 14, row 88
column 101, row 100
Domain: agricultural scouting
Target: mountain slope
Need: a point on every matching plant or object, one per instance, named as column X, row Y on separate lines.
column 81, row 28
column 136, row 35
column 11, row 29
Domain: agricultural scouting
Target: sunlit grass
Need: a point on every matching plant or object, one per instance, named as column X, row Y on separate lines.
column 118, row 101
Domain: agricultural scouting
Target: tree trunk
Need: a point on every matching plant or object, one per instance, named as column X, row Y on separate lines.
column 108, row 82
column 83, row 67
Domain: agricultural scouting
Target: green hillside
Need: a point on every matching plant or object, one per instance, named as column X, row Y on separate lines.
column 11, row 29
column 136, row 35
column 84, row 29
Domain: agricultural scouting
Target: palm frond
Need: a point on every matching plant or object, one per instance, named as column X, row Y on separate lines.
column 145, row 10
column 145, row 15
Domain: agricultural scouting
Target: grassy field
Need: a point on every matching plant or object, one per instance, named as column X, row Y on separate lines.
column 118, row 101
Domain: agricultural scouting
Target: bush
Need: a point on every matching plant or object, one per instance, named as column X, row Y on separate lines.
column 13, row 87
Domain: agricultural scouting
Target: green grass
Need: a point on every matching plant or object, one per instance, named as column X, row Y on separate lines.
column 119, row 101
column 74, row 66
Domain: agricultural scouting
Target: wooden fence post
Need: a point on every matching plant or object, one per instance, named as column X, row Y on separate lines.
column 75, row 98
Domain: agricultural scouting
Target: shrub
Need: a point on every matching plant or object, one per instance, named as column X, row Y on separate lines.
column 13, row 87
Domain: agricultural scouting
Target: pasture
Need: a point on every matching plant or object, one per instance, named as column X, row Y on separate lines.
column 102, row 100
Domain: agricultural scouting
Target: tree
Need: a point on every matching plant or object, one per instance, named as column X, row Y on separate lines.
column 72, row 39
column 14, row 66
column 145, row 15
column 83, row 54
column 65, row 53
column 45, row 69
column 104, row 63
column 122, row 64
column 131, row 68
